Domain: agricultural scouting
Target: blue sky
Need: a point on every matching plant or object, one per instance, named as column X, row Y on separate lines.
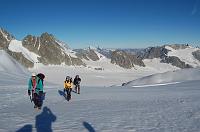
column 107, row 23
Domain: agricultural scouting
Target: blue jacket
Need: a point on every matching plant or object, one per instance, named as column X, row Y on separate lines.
column 39, row 85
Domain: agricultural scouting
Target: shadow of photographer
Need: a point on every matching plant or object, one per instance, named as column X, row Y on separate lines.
column 43, row 121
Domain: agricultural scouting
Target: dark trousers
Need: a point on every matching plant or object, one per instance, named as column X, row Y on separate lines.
column 37, row 99
column 68, row 90
column 77, row 88
column 68, row 96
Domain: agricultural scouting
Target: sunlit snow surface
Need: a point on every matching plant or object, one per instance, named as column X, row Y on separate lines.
column 174, row 105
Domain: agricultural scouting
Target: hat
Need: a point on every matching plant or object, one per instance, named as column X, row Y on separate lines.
column 33, row 74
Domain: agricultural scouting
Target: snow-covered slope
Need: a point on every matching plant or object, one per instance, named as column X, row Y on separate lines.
column 174, row 107
column 155, row 65
column 8, row 64
column 115, row 109
column 185, row 55
column 166, row 78
column 16, row 46
column 102, row 72
column 66, row 49
column 104, row 64
column 90, row 76
column 11, row 71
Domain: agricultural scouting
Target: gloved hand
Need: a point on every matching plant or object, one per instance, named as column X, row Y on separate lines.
column 29, row 92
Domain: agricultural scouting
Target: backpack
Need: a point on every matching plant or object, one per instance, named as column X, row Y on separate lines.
column 41, row 77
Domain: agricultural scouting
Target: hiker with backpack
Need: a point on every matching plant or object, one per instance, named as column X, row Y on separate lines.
column 36, row 87
column 68, row 84
column 77, row 81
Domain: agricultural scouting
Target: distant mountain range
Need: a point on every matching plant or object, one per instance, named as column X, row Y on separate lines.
column 48, row 50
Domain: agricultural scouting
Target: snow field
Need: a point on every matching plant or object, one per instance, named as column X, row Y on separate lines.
column 165, row 108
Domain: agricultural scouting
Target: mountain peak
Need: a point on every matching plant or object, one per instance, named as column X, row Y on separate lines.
column 92, row 48
column 5, row 38
column 6, row 34
column 48, row 37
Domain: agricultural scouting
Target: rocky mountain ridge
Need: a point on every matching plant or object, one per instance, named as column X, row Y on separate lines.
column 51, row 51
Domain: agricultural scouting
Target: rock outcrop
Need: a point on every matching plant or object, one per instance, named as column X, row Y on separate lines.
column 125, row 60
column 154, row 52
column 49, row 50
column 196, row 54
column 175, row 61
column 5, row 39
column 87, row 54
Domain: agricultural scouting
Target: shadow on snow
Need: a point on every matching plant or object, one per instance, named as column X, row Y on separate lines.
column 88, row 127
column 26, row 128
column 61, row 93
column 43, row 122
